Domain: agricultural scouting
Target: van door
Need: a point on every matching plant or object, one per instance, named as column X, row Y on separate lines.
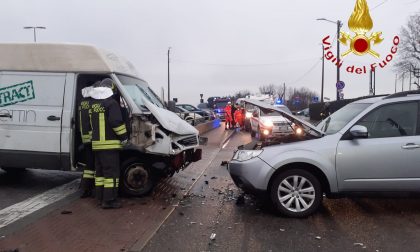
column 31, row 107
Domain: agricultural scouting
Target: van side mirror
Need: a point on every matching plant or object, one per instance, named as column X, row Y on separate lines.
column 171, row 106
column 359, row 131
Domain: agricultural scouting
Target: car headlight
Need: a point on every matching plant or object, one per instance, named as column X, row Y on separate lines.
column 244, row 155
column 268, row 123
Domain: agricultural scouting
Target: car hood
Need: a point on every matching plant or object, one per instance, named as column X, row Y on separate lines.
column 290, row 117
column 170, row 120
column 274, row 118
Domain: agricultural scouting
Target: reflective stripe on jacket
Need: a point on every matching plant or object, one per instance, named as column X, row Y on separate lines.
column 108, row 127
column 84, row 120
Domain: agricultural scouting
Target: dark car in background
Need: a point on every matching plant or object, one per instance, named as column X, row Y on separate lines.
column 206, row 114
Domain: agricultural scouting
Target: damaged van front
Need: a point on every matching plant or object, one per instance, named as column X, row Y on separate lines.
column 161, row 143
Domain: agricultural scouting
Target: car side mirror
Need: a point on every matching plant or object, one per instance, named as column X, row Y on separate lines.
column 359, row 131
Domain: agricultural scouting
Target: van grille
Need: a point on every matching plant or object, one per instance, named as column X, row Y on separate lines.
column 189, row 141
column 280, row 124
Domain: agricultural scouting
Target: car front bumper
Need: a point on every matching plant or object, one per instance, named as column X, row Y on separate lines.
column 251, row 176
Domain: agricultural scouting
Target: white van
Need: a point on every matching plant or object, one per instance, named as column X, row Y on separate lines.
column 40, row 88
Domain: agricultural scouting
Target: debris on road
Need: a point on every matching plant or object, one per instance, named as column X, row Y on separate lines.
column 66, row 212
column 224, row 163
column 207, row 182
column 213, row 236
column 282, row 229
column 240, row 200
column 213, row 177
column 358, row 244
column 318, row 237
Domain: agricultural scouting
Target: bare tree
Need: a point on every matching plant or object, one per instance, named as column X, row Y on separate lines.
column 409, row 48
column 268, row 89
column 298, row 99
column 241, row 94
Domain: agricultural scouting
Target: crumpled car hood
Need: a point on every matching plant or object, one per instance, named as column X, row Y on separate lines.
column 170, row 120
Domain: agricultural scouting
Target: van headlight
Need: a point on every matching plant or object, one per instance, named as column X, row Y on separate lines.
column 244, row 155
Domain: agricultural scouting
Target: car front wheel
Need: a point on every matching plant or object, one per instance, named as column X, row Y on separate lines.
column 296, row 193
column 137, row 179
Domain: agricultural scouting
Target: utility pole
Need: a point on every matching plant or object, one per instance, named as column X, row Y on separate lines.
column 34, row 28
column 396, row 78
column 338, row 56
column 409, row 85
column 370, row 83
column 322, row 78
column 374, row 82
column 169, row 80
column 402, row 83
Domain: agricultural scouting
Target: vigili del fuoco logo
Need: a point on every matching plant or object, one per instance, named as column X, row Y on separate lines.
column 361, row 41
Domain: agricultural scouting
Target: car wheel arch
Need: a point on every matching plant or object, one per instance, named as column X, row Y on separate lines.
column 316, row 171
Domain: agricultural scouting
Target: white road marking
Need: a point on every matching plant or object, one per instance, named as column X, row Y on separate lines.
column 19, row 210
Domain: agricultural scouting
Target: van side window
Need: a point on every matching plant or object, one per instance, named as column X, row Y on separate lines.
column 393, row 120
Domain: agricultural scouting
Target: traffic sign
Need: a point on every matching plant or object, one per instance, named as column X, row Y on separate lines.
column 315, row 99
column 340, row 85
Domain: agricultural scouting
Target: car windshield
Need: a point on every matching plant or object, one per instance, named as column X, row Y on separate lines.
column 221, row 104
column 336, row 121
column 139, row 91
column 270, row 113
column 188, row 107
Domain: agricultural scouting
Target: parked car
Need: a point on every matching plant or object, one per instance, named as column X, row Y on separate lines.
column 303, row 112
column 371, row 145
column 205, row 107
column 193, row 109
column 266, row 122
column 190, row 117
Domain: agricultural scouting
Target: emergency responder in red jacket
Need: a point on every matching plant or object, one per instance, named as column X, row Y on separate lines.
column 239, row 116
column 109, row 134
column 228, row 116
column 87, row 183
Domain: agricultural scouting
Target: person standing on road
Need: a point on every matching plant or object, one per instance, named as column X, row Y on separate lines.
column 228, row 117
column 109, row 134
column 87, row 183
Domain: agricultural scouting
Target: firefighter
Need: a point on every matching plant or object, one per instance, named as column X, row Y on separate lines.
column 109, row 134
column 228, row 117
column 87, row 182
column 239, row 118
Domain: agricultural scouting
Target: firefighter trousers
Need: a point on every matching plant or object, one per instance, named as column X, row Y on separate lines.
column 107, row 167
column 88, row 176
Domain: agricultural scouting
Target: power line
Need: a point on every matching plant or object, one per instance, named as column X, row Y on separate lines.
column 378, row 5
column 307, row 72
column 240, row 65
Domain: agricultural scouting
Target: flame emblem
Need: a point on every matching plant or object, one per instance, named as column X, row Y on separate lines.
column 361, row 23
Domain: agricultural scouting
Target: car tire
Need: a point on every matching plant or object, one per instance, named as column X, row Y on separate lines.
column 293, row 198
column 12, row 170
column 136, row 178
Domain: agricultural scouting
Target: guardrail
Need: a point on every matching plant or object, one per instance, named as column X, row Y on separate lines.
column 207, row 126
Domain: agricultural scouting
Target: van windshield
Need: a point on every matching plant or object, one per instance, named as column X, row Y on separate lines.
column 139, row 91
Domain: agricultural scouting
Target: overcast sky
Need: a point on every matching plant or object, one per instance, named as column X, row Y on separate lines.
column 218, row 46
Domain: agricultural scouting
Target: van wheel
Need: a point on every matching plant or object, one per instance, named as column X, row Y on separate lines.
column 296, row 193
column 136, row 177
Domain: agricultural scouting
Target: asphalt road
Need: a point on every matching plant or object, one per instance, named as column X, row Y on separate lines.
column 348, row 224
column 16, row 187
column 184, row 211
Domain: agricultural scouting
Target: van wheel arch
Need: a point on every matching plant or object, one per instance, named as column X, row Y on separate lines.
column 318, row 173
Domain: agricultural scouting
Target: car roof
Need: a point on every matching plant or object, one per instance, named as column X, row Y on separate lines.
column 61, row 57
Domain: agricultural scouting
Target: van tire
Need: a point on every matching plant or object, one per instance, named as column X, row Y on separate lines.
column 311, row 186
column 136, row 178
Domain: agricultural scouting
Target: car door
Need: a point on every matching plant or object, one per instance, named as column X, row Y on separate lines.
column 30, row 122
column 389, row 159
column 255, row 119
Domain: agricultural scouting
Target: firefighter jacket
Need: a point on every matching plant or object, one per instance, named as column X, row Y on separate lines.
column 84, row 120
column 108, row 127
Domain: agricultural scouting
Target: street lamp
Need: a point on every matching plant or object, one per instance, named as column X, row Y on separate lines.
column 339, row 24
column 169, row 83
column 34, row 28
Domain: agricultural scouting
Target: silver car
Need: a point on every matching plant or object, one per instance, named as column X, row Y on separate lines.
column 370, row 145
